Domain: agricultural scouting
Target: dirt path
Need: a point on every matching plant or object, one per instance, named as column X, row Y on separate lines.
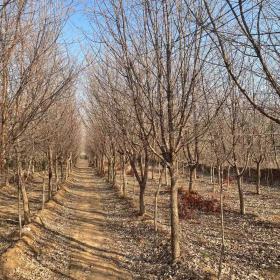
column 69, row 238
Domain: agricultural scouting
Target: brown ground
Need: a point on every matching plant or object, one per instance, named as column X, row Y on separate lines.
column 90, row 231
column 252, row 241
column 68, row 239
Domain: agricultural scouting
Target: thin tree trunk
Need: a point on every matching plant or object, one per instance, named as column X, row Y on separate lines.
column 7, row 174
column 61, row 170
column 124, row 182
column 156, row 199
column 219, row 175
column 166, row 176
column 114, row 170
column 56, row 172
column 191, row 178
column 228, row 176
column 211, row 174
column 241, row 194
column 33, row 166
column 222, row 228
column 109, row 171
column 28, row 169
column 67, row 169
column 43, row 194
column 19, row 212
column 21, row 186
column 258, row 178
column 142, row 207
column 174, row 217
column 50, row 169
column 213, row 178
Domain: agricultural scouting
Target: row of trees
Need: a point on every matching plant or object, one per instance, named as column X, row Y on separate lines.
column 172, row 84
column 39, row 125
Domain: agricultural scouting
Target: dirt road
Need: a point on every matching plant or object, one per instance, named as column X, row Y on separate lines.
column 68, row 239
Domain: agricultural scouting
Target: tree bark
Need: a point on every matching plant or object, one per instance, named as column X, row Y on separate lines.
column 21, row 186
column 124, row 182
column 109, row 171
column 258, row 178
column 50, row 169
column 191, row 179
column 228, row 176
column 56, row 172
column 241, row 195
column 19, row 212
column 156, row 199
column 222, row 225
column 142, row 207
column 175, row 228
column 43, row 194
column 61, row 170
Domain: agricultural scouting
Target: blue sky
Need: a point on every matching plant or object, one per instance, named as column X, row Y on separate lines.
column 76, row 27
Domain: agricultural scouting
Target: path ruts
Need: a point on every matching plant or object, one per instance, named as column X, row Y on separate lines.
column 68, row 239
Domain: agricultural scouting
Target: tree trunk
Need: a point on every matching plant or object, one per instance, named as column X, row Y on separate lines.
column 114, row 171
column 211, row 174
column 123, row 177
column 28, row 168
column 109, row 171
column 21, row 186
column 166, row 176
column 241, row 194
column 56, row 172
column 142, row 208
column 70, row 162
column 228, row 176
column 19, row 212
column 153, row 169
column 213, row 178
column 102, row 167
column 156, row 200
column 222, row 226
column 43, row 194
column 258, row 178
column 175, row 228
column 7, row 174
column 50, row 168
column 220, row 179
column 26, row 208
column 61, row 170
column 191, row 178
column 33, row 166
column 67, row 169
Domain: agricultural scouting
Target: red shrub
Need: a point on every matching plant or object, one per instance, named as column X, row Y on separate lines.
column 191, row 201
column 130, row 172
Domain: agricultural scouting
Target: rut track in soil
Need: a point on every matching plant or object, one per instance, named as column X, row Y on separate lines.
column 69, row 238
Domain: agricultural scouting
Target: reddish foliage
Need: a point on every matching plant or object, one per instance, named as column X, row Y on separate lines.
column 230, row 180
column 190, row 201
column 130, row 172
column 118, row 167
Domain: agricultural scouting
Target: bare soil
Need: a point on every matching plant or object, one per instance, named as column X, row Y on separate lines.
column 68, row 239
column 89, row 231
column 252, row 241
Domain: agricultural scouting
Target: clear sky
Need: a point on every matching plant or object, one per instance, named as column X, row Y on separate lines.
column 76, row 28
